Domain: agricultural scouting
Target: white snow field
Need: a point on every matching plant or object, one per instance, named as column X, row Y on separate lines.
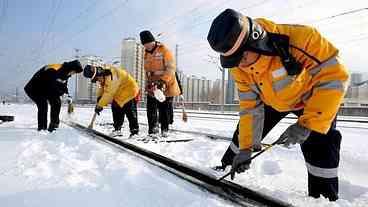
column 67, row 168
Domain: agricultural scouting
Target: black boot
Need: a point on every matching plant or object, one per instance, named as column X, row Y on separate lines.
column 133, row 132
column 153, row 130
column 53, row 126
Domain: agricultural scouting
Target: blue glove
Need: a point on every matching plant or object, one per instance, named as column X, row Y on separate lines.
column 295, row 133
column 98, row 109
column 241, row 162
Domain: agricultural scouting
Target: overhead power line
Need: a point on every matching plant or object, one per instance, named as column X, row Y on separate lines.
column 89, row 26
column 207, row 20
column 50, row 25
column 354, row 11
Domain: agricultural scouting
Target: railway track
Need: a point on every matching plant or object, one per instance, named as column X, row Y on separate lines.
column 228, row 190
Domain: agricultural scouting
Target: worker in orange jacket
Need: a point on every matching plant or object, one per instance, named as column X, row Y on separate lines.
column 281, row 69
column 159, row 65
column 118, row 87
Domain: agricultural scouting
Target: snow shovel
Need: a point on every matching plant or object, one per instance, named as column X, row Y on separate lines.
column 253, row 157
column 90, row 126
column 184, row 114
column 70, row 107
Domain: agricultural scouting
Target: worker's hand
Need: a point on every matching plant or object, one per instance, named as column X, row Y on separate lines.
column 160, row 84
column 69, row 100
column 295, row 133
column 241, row 162
column 98, row 109
column 150, row 87
column 221, row 167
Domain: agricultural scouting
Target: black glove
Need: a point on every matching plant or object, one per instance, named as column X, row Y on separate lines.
column 69, row 100
column 160, row 84
column 294, row 134
column 98, row 109
column 241, row 162
column 150, row 87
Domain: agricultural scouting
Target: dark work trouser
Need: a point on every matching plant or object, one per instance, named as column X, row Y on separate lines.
column 152, row 105
column 321, row 153
column 171, row 111
column 164, row 113
column 42, row 107
column 130, row 110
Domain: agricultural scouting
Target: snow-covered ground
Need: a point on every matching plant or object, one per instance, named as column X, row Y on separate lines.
column 67, row 168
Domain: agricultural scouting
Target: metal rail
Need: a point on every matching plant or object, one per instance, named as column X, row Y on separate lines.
column 228, row 190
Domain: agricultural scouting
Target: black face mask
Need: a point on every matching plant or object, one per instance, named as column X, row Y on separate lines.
column 271, row 44
column 153, row 49
column 101, row 72
column 258, row 40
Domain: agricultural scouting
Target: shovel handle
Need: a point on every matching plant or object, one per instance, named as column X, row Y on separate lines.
column 90, row 126
column 256, row 155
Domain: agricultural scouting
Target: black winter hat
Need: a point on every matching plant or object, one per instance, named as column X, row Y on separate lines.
column 89, row 71
column 74, row 65
column 228, row 36
column 93, row 72
column 146, row 37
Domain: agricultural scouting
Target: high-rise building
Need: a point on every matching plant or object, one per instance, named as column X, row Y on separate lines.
column 132, row 59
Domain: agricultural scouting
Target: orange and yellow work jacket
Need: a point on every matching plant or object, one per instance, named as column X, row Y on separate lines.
column 160, row 65
column 319, row 89
column 119, row 87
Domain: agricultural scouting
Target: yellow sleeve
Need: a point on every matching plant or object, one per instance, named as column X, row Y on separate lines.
column 328, row 93
column 109, row 89
column 99, row 90
column 251, row 114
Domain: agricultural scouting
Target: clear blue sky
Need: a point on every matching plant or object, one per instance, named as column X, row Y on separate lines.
column 37, row 32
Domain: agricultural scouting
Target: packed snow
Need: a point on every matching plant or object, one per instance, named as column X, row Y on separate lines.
column 67, row 168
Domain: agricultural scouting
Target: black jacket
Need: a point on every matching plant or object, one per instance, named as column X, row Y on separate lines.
column 48, row 82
